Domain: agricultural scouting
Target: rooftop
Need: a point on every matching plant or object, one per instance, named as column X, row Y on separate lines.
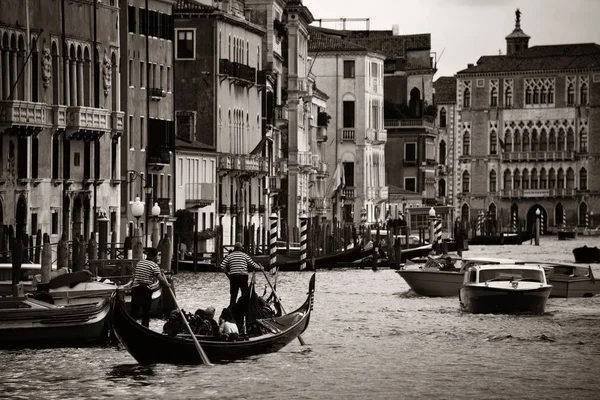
column 445, row 89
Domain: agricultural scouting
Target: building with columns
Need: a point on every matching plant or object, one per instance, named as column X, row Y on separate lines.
column 60, row 115
column 352, row 76
column 526, row 134
column 147, row 166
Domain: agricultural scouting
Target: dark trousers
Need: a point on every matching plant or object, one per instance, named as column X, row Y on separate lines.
column 237, row 282
column 141, row 298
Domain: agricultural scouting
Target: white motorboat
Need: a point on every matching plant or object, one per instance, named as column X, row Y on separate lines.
column 504, row 288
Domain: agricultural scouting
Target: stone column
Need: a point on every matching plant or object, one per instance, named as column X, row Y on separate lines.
column 73, row 82
column 13, row 75
column 80, row 99
column 67, row 77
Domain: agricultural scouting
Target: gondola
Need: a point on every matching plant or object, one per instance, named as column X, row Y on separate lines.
column 150, row 347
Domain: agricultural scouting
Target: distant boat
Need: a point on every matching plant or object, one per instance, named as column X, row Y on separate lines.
column 566, row 233
column 504, row 238
column 504, row 288
column 586, row 254
column 571, row 280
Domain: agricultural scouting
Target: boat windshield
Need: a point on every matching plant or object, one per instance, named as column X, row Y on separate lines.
column 511, row 275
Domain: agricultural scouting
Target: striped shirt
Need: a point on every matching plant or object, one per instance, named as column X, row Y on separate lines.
column 145, row 273
column 237, row 263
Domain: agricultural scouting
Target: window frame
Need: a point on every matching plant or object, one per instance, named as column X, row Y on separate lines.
column 414, row 180
column 193, row 57
column 353, row 71
column 406, row 144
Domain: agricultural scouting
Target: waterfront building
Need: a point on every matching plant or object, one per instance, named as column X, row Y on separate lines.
column 352, row 76
column 526, row 134
column 60, row 116
column 444, row 98
column 146, row 71
column 219, row 117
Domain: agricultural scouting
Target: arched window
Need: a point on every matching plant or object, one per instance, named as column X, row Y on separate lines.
column 534, row 179
column 442, row 152
column 552, row 140
column 517, row 179
column 493, row 143
column 583, row 139
column 442, row 188
column 507, row 180
column 525, row 180
column 494, row 97
column 464, row 213
column 535, row 144
column 551, row 179
column 543, row 179
column 507, row 141
column 508, row 95
column 443, row 117
column 570, row 178
column 467, row 98
column 561, row 140
column 583, row 179
column 570, row 95
column 570, row 140
column 528, row 96
column 466, row 182
column 583, row 94
column 536, row 96
column 492, row 211
column 526, row 141
column 493, row 181
column 517, row 144
column 551, row 95
column 543, row 141
column 543, row 96
column 466, row 144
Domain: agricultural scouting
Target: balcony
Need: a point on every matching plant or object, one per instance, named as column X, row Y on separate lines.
column 199, row 194
column 321, row 205
column 87, row 123
column 515, row 156
column 263, row 165
column 380, row 137
column 383, row 193
column 236, row 162
column 116, row 123
column 59, row 117
column 249, row 164
column 305, row 159
column 274, row 184
column 225, row 163
column 347, row 135
column 281, row 113
column 157, row 94
column 159, row 158
column 240, row 74
column 407, row 123
column 563, row 192
column 165, row 205
column 349, row 193
column 23, row 117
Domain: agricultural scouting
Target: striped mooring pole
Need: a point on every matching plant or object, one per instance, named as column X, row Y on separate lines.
column 273, row 243
column 514, row 222
column 303, row 225
column 587, row 219
column 541, row 223
column 438, row 231
column 564, row 221
column 480, row 223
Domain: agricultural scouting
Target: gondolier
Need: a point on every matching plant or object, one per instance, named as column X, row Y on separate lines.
column 236, row 266
column 145, row 274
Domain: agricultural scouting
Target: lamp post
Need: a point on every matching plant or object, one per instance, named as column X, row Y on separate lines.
column 137, row 209
column 148, row 191
column 155, row 213
column 537, row 226
column 431, row 224
column 591, row 220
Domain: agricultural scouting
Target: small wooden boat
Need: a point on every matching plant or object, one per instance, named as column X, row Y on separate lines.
column 586, row 254
column 430, row 279
column 27, row 322
column 504, row 238
column 504, row 288
column 571, row 280
column 567, row 233
column 150, row 347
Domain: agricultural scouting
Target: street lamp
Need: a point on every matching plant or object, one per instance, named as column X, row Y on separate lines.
column 155, row 213
column 537, row 226
column 431, row 225
column 148, row 191
column 137, row 209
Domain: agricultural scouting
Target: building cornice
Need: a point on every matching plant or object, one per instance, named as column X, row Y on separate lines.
column 365, row 53
column 462, row 75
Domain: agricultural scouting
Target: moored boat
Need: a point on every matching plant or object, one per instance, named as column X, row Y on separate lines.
column 571, row 280
column 504, row 288
column 150, row 347
column 586, row 254
column 29, row 323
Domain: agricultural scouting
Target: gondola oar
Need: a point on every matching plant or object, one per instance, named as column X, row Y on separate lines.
column 201, row 352
column 279, row 301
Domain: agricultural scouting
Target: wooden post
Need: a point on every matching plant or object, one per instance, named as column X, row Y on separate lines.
column 102, row 238
column 46, row 259
column 17, row 257
column 397, row 246
column 92, row 248
column 38, row 246
column 82, row 253
column 62, row 253
column 303, row 238
column 113, row 245
column 195, row 241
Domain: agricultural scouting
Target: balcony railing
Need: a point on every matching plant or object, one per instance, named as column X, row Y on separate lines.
column 117, row 122
column 59, row 117
column 349, row 193
column 563, row 192
column 321, row 204
column 407, row 123
column 87, row 123
column 249, row 164
column 538, row 193
column 23, row 115
column 236, row 162
column 281, row 113
column 305, row 158
column 225, row 162
column 383, row 192
column 199, row 194
column 381, row 136
column 348, row 135
column 274, row 183
column 539, row 155
column 242, row 74
column 263, row 165
column 162, row 156
column 157, row 93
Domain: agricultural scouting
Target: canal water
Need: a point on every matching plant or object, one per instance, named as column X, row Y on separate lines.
column 369, row 337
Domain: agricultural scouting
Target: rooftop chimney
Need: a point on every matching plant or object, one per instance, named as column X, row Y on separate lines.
column 395, row 30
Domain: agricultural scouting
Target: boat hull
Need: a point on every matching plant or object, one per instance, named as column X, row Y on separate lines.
column 586, row 254
column 150, row 347
column 55, row 326
column 483, row 300
column 574, row 287
column 433, row 283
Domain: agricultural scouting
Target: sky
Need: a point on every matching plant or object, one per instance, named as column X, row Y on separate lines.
column 464, row 30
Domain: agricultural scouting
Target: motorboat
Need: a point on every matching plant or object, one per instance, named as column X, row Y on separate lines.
column 504, row 288
column 432, row 279
column 571, row 280
column 26, row 322
column 585, row 254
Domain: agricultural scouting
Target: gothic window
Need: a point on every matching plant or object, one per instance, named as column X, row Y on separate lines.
column 534, row 179
column 517, row 144
column 526, row 141
column 441, row 188
column 467, row 98
column 535, row 144
column 528, row 96
column 571, row 95
column 552, row 179
column 525, row 181
column 583, row 178
column 443, row 118
column 466, row 180
column 493, row 143
column 536, row 96
column 508, row 95
column 583, row 94
column 543, row 141
column 561, row 140
column 583, row 141
column 517, row 179
column 507, row 180
column 543, row 179
column 466, row 144
column 494, row 97
column 443, row 152
column 570, row 140
column 493, row 179
column 570, row 178
column 543, row 96
column 583, row 212
column 551, row 95
column 507, row 141
column 552, row 140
